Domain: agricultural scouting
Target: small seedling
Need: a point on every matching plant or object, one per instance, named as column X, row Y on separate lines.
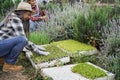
column 88, row 71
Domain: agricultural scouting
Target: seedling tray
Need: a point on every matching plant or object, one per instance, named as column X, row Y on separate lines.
column 60, row 53
column 53, row 59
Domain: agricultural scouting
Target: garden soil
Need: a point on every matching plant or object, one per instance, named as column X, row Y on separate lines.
column 12, row 75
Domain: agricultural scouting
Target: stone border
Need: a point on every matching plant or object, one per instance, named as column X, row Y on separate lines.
column 55, row 62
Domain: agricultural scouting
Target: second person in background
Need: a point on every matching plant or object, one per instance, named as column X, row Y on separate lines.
column 38, row 16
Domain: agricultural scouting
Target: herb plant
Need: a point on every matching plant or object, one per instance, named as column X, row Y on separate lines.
column 88, row 71
column 39, row 38
column 61, row 49
column 73, row 46
column 55, row 53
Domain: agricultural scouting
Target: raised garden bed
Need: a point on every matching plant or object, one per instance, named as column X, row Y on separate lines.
column 60, row 53
column 66, row 72
column 37, row 62
column 75, row 48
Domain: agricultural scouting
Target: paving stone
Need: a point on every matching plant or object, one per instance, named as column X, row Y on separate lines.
column 62, row 73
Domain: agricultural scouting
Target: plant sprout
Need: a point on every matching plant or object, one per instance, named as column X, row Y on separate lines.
column 62, row 49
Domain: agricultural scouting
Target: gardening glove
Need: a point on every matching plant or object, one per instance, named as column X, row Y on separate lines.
column 41, row 48
column 41, row 52
column 45, row 53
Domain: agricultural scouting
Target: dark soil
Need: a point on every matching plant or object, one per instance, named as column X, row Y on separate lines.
column 26, row 74
column 12, row 76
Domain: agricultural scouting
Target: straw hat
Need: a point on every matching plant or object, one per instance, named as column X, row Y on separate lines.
column 24, row 6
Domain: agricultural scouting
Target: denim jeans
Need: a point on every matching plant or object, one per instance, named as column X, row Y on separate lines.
column 32, row 26
column 11, row 48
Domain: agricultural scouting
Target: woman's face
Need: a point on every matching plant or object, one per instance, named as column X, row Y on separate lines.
column 32, row 2
column 26, row 15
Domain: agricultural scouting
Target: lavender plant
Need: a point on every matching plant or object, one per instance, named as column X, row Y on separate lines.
column 110, row 61
column 109, row 58
column 60, row 23
column 91, row 24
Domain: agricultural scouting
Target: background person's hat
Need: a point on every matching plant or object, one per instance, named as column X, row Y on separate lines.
column 24, row 6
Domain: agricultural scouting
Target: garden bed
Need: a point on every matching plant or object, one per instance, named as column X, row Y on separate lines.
column 65, row 73
column 60, row 53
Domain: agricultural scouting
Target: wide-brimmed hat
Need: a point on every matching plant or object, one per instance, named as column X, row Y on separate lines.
column 24, row 6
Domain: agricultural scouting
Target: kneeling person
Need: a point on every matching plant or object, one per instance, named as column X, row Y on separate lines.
column 13, row 38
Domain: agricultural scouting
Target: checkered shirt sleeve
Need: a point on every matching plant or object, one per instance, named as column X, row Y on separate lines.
column 15, row 27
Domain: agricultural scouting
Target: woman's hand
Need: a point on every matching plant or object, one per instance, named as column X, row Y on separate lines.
column 43, row 18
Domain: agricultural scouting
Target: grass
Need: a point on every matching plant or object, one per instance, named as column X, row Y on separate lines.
column 67, row 48
column 73, row 46
column 55, row 53
column 88, row 71
column 39, row 38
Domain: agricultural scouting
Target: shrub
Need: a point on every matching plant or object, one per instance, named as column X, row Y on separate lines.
column 91, row 25
column 60, row 23
column 109, row 59
column 117, row 66
column 7, row 5
column 108, row 1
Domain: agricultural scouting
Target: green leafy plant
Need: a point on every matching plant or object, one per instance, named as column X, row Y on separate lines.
column 61, row 20
column 116, row 66
column 92, row 24
column 109, row 59
column 108, row 1
column 7, row 5
column 62, row 49
column 39, row 38
column 55, row 53
column 84, row 58
column 88, row 71
column 73, row 46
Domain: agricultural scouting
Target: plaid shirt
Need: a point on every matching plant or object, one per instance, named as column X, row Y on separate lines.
column 14, row 27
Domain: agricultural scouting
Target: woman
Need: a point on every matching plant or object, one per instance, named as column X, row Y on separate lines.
column 37, row 16
column 13, row 39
